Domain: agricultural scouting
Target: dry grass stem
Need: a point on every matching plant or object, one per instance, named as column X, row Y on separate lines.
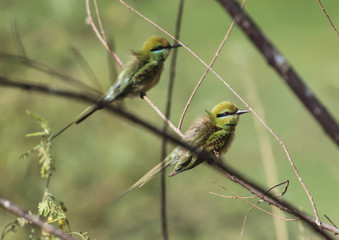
column 170, row 124
column 328, row 17
column 97, row 33
column 207, row 70
column 255, row 206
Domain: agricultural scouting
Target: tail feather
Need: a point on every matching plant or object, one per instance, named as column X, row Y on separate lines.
column 86, row 113
column 149, row 175
column 61, row 131
column 112, row 94
column 82, row 116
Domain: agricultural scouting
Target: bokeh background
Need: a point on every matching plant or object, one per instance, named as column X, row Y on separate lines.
column 99, row 159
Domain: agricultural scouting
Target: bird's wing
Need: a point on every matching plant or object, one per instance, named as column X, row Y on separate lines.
column 145, row 72
column 196, row 135
column 131, row 81
column 216, row 140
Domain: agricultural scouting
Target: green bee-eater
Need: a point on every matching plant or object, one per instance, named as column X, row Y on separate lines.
column 139, row 75
column 213, row 133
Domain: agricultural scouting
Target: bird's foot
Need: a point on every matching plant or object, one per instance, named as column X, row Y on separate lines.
column 142, row 95
column 210, row 161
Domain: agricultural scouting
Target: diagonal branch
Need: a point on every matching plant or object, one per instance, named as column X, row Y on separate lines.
column 221, row 45
column 163, row 117
column 17, row 211
column 328, row 17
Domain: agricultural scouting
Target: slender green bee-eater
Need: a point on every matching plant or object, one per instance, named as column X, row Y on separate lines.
column 213, row 133
column 139, row 75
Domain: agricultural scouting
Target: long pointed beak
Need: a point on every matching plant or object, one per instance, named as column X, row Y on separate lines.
column 175, row 45
column 239, row 112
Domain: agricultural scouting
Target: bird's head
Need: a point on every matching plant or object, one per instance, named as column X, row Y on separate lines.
column 157, row 48
column 225, row 114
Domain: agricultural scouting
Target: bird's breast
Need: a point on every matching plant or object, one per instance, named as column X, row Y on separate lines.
column 148, row 80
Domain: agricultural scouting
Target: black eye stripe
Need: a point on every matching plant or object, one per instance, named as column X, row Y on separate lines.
column 157, row 48
column 224, row 114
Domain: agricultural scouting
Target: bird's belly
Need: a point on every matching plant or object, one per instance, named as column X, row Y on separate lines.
column 226, row 143
column 147, row 83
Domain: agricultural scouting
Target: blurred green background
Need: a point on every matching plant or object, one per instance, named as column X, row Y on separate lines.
column 99, row 159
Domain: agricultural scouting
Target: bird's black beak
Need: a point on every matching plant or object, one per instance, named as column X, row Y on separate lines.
column 239, row 112
column 175, row 45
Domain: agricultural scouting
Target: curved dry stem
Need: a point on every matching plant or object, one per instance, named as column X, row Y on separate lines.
column 99, row 21
column 204, row 75
column 254, row 196
column 235, row 196
column 328, row 17
column 207, row 70
column 156, row 109
column 244, row 222
column 97, row 33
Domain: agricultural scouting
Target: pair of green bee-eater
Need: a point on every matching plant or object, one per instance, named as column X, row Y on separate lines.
column 213, row 133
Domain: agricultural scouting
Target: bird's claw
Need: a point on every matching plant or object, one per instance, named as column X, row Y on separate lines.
column 142, row 95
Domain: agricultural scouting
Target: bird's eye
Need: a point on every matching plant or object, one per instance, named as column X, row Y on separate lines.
column 157, row 48
column 224, row 114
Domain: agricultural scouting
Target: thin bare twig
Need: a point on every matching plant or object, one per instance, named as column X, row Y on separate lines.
column 156, row 109
column 99, row 21
column 254, row 205
column 204, row 75
column 255, row 196
column 328, row 17
column 244, row 222
column 17, row 211
column 330, row 220
column 207, row 70
column 227, row 171
column 102, row 40
column 286, row 183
